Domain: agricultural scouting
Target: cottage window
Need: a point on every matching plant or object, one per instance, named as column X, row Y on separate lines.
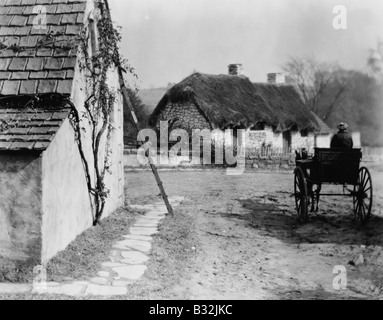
column 304, row 133
column 258, row 127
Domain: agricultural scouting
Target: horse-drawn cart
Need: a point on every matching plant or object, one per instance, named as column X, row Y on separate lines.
column 337, row 167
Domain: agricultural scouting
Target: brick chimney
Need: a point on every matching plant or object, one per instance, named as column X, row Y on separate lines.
column 235, row 69
column 275, row 78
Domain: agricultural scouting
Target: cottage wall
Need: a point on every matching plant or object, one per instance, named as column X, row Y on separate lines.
column 187, row 115
column 66, row 202
column 20, row 207
column 115, row 178
column 257, row 138
column 298, row 141
column 323, row 141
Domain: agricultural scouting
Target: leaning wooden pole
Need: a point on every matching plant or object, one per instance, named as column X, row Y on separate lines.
column 124, row 91
column 125, row 95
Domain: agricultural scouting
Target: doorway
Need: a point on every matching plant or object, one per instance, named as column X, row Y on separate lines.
column 286, row 141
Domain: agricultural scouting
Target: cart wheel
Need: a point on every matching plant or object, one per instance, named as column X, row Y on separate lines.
column 362, row 196
column 301, row 194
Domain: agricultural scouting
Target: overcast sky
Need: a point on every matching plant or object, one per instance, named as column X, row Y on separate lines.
column 166, row 40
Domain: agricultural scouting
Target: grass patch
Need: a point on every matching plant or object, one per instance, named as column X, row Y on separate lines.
column 170, row 259
column 81, row 259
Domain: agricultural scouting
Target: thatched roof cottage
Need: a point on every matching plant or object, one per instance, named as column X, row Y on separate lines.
column 272, row 113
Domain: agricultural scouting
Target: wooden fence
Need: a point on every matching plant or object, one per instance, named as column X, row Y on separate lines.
column 269, row 152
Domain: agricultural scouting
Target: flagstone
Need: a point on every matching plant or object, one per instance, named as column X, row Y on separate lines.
column 137, row 207
column 134, row 257
column 44, row 289
column 120, row 283
column 73, row 290
column 159, row 214
column 138, row 245
column 97, row 290
column 81, row 283
column 9, row 288
column 111, row 264
column 102, row 281
column 156, row 210
column 131, row 272
column 149, row 219
column 51, row 284
column 103, row 274
column 143, row 238
column 148, row 224
column 143, row 231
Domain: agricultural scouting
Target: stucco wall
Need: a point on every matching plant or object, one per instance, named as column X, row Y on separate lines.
column 298, row 141
column 115, row 179
column 66, row 203
column 20, row 207
column 323, row 141
column 256, row 138
column 187, row 114
column 357, row 139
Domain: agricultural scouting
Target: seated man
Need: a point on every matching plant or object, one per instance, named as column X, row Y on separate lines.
column 342, row 139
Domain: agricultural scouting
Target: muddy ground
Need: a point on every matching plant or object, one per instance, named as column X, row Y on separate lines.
column 249, row 245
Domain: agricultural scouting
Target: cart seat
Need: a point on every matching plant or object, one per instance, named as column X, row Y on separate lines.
column 336, row 165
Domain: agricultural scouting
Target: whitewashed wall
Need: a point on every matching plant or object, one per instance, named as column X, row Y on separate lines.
column 66, row 203
column 256, row 138
column 67, row 206
column 323, row 141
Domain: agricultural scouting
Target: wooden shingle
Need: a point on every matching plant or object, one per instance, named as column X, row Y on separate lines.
column 36, row 61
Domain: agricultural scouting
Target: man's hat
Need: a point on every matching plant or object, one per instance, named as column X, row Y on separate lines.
column 342, row 126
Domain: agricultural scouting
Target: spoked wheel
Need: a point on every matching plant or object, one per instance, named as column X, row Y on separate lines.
column 362, row 196
column 301, row 195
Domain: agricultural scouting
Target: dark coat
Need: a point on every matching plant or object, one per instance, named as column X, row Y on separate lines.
column 342, row 140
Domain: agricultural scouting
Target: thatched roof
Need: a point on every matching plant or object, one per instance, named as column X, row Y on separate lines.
column 286, row 103
column 234, row 101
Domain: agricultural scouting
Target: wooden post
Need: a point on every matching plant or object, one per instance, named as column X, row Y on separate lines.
column 124, row 91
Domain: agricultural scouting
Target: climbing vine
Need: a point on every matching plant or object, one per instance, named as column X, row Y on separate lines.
column 100, row 103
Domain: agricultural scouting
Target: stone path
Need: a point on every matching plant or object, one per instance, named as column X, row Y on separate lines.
column 127, row 263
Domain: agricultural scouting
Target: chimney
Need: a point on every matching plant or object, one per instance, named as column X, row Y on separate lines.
column 235, row 69
column 275, row 78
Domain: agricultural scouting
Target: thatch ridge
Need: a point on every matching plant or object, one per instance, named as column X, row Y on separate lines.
column 234, row 101
column 285, row 101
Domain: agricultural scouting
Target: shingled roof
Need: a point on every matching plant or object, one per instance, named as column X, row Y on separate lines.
column 30, row 129
column 34, row 59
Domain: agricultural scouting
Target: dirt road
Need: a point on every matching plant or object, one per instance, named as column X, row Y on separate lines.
column 250, row 246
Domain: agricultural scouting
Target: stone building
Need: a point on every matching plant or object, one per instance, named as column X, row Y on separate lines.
column 44, row 199
column 272, row 113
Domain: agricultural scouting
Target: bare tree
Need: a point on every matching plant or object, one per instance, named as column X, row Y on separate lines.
column 315, row 80
column 375, row 59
